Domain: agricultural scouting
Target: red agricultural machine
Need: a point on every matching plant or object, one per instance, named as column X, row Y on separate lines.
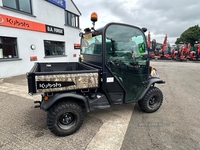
column 181, row 52
column 161, row 52
column 195, row 53
column 165, row 52
column 174, row 51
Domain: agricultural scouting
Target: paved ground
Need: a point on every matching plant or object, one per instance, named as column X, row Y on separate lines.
column 174, row 126
column 24, row 127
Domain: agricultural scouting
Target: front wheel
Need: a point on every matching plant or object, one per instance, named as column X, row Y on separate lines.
column 152, row 100
column 65, row 118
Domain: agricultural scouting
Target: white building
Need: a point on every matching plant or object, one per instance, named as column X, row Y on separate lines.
column 37, row 31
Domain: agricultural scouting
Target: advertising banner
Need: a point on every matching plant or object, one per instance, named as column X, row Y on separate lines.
column 14, row 22
column 60, row 3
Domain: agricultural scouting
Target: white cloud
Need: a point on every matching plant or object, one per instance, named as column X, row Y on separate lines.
column 159, row 17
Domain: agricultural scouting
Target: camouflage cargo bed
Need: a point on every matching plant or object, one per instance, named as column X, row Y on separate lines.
column 54, row 77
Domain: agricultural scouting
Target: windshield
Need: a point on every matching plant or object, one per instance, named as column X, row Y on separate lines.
column 118, row 41
column 91, row 44
column 128, row 44
column 133, row 44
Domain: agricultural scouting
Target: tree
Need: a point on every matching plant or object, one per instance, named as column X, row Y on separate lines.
column 191, row 35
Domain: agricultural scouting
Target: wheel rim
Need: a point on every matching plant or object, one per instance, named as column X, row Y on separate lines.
column 154, row 102
column 67, row 120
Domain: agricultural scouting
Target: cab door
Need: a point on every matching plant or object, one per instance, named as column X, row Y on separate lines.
column 126, row 60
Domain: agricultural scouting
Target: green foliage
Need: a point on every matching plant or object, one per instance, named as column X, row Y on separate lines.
column 190, row 35
column 178, row 40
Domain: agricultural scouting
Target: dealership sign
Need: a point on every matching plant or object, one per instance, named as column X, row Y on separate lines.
column 14, row 22
column 54, row 30
column 60, row 3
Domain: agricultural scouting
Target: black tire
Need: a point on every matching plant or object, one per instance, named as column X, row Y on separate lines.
column 65, row 118
column 152, row 100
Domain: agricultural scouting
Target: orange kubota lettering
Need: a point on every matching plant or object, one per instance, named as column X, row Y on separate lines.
column 14, row 22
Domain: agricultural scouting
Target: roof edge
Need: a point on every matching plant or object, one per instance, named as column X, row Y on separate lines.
column 76, row 7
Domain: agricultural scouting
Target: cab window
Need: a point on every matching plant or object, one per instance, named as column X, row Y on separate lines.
column 91, row 44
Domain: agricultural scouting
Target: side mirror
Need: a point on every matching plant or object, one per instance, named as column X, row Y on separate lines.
column 153, row 44
column 144, row 29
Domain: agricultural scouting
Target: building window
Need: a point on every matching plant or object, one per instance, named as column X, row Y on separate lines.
column 53, row 48
column 20, row 5
column 71, row 19
column 8, row 48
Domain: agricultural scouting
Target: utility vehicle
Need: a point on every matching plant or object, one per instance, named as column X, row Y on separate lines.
column 113, row 68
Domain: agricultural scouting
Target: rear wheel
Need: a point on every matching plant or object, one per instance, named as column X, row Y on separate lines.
column 152, row 100
column 65, row 118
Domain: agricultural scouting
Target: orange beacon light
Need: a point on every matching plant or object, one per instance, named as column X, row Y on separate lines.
column 94, row 17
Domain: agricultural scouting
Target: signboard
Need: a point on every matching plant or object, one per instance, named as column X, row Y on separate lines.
column 14, row 22
column 60, row 3
column 33, row 58
column 77, row 46
column 54, row 30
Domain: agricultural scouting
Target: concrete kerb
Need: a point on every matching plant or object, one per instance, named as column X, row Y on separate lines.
column 15, row 78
